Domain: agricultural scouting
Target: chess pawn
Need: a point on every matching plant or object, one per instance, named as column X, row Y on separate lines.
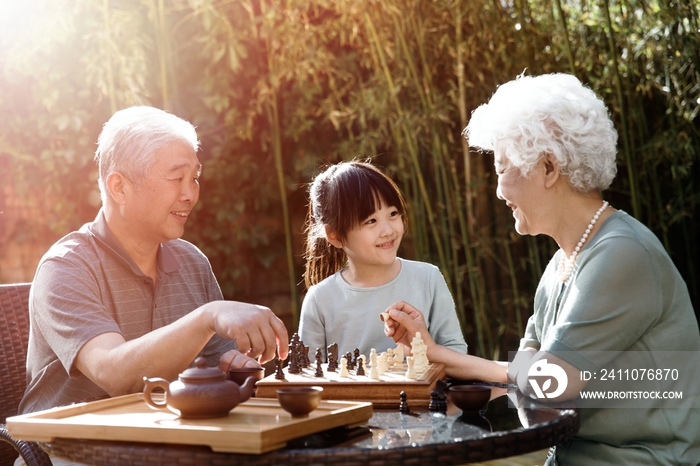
column 434, row 405
column 319, row 369
column 348, row 358
column 410, row 373
column 360, row 367
column 373, row 372
column 344, row 368
column 279, row 372
column 390, row 357
column 403, row 406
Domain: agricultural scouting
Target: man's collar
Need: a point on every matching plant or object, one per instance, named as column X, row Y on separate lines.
column 166, row 260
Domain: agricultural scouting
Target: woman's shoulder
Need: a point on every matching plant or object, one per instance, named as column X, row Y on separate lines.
column 622, row 227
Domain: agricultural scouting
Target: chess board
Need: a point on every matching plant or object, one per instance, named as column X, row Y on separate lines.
column 384, row 392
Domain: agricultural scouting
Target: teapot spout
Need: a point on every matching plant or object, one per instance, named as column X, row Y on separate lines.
column 246, row 390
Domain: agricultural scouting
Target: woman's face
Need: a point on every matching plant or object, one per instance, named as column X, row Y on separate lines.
column 520, row 194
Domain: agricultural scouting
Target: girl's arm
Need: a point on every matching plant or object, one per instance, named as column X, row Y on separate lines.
column 406, row 321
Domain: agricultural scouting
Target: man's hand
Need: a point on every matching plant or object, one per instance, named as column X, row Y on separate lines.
column 234, row 359
column 258, row 332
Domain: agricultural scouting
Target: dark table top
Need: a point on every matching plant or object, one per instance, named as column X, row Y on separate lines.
column 390, row 437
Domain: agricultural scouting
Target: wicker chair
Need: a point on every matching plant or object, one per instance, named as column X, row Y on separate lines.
column 14, row 335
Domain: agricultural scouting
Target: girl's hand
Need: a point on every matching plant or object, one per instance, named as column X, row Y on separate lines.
column 404, row 323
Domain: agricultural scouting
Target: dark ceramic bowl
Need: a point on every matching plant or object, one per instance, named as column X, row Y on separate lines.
column 240, row 374
column 471, row 399
column 299, row 401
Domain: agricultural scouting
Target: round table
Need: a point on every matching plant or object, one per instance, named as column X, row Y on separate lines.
column 389, row 437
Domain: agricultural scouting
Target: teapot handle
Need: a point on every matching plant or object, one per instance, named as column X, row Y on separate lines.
column 151, row 384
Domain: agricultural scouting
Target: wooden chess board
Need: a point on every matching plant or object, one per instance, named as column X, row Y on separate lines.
column 384, row 392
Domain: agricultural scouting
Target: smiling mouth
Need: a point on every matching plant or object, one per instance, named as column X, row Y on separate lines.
column 180, row 214
column 386, row 245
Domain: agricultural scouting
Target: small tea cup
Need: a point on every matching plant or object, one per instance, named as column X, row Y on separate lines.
column 299, row 401
column 471, row 399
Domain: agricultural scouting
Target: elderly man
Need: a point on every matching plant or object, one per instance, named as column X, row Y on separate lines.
column 124, row 297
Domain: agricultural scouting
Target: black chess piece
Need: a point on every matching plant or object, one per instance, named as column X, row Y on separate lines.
column 279, row 372
column 332, row 349
column 442, row 402
column 319, row 369
column 403, row 406
column 351, row 363
column 332, row 363
column 307, row 361
column 360, row 369
column 294, row 355
column 434, row 405
column 355, row 356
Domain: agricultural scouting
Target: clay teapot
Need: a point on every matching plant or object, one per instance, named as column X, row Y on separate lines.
column 200, row 392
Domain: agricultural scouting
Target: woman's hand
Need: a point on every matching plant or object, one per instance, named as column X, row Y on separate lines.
column 405, row 321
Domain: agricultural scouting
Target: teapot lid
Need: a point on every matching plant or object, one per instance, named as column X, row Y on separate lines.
column 201, row 373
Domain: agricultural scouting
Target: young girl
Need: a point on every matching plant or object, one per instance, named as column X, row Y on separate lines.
column 354, row 228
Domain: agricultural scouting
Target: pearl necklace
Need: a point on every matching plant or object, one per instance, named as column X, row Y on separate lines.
column 567, row 265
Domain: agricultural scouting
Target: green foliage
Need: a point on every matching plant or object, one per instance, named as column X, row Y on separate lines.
column 279, row 88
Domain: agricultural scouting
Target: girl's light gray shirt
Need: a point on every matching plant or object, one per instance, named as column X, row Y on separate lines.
column 334, row 311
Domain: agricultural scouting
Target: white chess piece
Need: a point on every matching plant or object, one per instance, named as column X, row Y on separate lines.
column 344, row 368
column 410, row 373
column 398, row 354
column 374, row 372
column 390, row 357
column 418, row 349
column 381, row 363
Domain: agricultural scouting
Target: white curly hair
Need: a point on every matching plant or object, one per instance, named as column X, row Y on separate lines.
column 553, row 113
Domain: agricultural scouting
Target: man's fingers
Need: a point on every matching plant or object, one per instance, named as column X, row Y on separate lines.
column 282, row 336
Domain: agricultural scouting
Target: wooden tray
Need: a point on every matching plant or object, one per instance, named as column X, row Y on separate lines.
column 257, row 426
column 382, row 393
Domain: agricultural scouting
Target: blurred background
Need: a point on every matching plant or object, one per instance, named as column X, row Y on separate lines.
column 278, row 89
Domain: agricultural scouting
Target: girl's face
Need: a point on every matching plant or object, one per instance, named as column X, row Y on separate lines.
column 376, row 240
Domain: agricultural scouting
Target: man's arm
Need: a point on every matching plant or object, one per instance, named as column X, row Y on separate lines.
column 118, row 366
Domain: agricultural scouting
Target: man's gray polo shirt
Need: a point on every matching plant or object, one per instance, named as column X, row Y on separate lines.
column 87, row 285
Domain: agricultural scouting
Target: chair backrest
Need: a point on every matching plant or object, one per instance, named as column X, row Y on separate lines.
column 14, row 337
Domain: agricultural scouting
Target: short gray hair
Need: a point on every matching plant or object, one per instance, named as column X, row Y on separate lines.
column 556, row 114
column 131, row 138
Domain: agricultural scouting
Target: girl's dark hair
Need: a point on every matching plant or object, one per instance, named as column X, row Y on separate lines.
column 342, row 197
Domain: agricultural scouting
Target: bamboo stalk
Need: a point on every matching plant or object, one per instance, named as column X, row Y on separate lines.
column 273, row 117
column 565, row 32
column 623, row 112
column 412, row 149
column 110, row 70
column 162, row 55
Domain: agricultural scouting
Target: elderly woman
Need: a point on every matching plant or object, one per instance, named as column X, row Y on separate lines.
column 610, row 287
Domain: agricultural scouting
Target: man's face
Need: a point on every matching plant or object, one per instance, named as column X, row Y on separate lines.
column 160, row 206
